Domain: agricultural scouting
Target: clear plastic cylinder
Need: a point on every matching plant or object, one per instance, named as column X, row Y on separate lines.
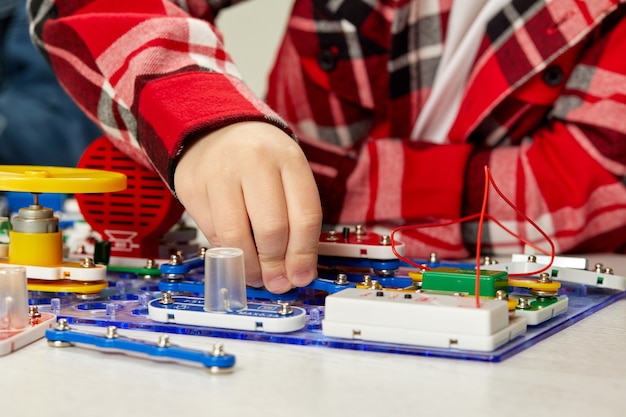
column 13, row 299
column 224, row 280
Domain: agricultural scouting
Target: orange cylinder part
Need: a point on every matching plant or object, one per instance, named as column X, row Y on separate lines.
column 37, row 249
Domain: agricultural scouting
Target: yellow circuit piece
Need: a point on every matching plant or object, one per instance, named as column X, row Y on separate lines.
column 37, row 249
column 416, row 276
column 48, row 179
column 512, row 304
column 80, row 287
column 534, row 285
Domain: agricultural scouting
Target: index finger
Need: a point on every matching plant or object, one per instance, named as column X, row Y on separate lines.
column 305, row 222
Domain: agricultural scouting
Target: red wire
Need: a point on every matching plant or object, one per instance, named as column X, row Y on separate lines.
column 481, row 219
column 479, row 239
column 529, row 220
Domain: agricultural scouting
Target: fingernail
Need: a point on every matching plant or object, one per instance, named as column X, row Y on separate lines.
column 279, row 284
column 302, row 278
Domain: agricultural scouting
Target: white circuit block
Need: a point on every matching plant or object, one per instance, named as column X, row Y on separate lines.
column 12, row 341
column 263, row 317
column 68, row 270
column 433, row 320
column 557, row 273
column 561, row 261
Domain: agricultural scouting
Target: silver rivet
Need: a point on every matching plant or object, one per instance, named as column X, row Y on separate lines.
column 523, row 303
column 488, row 260
column 33, row 311
column 501, row 295
column 164, row 341
column 87, row 263
column 359, row 229
column 175, row 260
column 332, row 236
column 385, row 240
column 166, row 298
column 62, row 324
column 218, row 350
column 532, row 258
column 434, row 258
column 342, row 279
column 544, row 278
column 367, row 280
column 285, row 308
column 111, row 332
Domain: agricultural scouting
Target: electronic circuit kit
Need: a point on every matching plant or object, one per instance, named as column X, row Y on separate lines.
column 127, row 262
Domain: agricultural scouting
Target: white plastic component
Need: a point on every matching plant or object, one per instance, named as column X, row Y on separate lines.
column 535, row 317
column 12, row 341
column 13, row 299
column 70, row 270
column 557, row 273
column 224, row 280
column 561, row 261
column 434, row 320
column 16, row 328
column 256, row 317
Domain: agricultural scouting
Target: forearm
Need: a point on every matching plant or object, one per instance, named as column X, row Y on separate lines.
column 152, row 74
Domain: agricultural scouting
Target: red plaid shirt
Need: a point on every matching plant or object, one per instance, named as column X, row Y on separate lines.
column 544, row 107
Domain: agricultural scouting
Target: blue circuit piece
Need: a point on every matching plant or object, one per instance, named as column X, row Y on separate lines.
column 197, row 287
column 115, row 343
column 326, row 281
column 185, row 267
column 395, row 282
column 375, row 264
column 180, row 269
column 329, row 285
column 263, row 294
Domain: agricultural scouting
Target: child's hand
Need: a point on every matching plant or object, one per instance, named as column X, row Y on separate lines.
column 249, row 186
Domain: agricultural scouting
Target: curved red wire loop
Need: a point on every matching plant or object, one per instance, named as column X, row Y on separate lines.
column 481, row 219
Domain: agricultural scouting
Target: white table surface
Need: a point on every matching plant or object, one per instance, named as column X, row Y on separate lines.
column 580, row 371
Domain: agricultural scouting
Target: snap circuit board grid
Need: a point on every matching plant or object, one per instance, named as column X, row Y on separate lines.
column 124, row 305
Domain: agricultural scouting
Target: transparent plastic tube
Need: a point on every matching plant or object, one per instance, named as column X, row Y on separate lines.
column 224, row 280
column 13, row 299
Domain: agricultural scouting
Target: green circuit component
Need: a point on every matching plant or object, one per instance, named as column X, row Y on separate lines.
column 5, row 229
column 463, row 280
column 543, row 302
column 145, row 272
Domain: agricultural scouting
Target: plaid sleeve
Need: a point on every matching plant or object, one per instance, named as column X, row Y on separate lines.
column 153, row 74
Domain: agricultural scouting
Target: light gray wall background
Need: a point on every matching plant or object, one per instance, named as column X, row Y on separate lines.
column 252, row 31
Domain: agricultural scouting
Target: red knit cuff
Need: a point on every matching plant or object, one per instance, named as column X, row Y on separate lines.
column 175, row 110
